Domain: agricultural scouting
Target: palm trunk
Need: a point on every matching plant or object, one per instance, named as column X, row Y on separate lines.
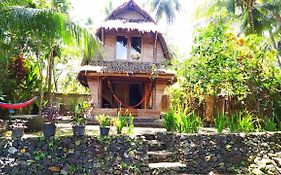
column 250, row 5
column 50, row 72
column 274, row 44
column 41, row 90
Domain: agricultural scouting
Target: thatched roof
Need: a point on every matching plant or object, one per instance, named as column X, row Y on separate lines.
column 130, row 6
column 146, row 24
column 121, row 67
column 123, row 24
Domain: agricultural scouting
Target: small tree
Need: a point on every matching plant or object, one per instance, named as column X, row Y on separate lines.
column 222, row 64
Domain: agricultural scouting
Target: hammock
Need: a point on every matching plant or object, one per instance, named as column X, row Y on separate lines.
column 124, row 105
column 17, row 105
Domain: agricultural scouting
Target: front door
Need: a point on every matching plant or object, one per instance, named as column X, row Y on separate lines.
column 135, row 95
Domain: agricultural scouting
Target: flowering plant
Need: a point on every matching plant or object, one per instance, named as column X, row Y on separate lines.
column 51, row 114
column 17, row 123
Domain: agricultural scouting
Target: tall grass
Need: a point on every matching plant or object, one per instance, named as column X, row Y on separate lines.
column 181, row 120
column 270, row 125
column 169, row 121
column 232, row 123
column 245, row 123
column 220, row 122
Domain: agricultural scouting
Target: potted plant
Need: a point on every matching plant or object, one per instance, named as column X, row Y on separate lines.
column 18, row 127
column 104, row 122
column 79, row 118
column 51, row 115
column 120, row 122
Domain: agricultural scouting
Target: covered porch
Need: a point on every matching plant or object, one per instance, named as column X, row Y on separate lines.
column 137, row 92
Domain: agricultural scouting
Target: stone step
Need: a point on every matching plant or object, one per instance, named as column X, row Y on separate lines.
column 167, row 168
column 162, row 156
column 155, row 145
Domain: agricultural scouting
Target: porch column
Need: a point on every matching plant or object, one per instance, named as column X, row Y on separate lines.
column 94, row 86
column 160, row 87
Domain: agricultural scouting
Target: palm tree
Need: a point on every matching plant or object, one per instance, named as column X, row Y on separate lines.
column 167, row 8
column 255, row 17
column 45, row 28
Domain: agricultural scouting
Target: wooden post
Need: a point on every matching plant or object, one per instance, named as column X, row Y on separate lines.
column 209, row 100
column 94, row 88
column 155, row 48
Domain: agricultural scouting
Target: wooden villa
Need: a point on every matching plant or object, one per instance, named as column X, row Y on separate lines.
column 130, row 73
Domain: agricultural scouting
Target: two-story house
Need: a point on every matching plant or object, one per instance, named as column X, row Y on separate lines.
column 130, row 73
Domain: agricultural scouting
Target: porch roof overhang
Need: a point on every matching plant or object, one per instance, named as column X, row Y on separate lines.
column 126, row 70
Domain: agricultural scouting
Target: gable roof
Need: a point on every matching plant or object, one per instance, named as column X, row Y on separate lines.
column 130, row 6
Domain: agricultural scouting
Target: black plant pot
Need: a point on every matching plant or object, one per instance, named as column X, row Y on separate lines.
column 49, row 130
column 104, row 131
column 78, row 130
column 17, row 133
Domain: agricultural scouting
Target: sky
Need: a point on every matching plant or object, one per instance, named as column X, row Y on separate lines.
column 179, row 34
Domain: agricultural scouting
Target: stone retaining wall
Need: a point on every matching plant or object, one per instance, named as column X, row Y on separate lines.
column 217, row 153
column 258, row 153
column 69, row 155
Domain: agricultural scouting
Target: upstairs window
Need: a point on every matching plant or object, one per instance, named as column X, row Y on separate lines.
column 135, row 51
column 122, row 48
column 125, row 46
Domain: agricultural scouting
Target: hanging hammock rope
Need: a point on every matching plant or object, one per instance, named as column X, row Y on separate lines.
column 124, row 105
column 17, row 105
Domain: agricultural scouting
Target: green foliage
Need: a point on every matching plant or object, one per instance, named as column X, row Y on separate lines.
column 79, row 117
column 181, row 120
column 220, row 122
column 190, row 123
column 120, row 123
column 130, row 124
column 245, row 123
column 167, row 8
column 232, row 123
column 104, row 120
column 223, row 65
column 126, row 120
column 169, row 121
column 270, row 125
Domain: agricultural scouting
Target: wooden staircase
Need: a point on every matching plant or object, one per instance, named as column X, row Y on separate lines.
column 162, row 159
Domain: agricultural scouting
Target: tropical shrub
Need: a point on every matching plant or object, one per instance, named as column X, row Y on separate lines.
column 190, row 123
column 104, row 120
column 270, row 125
column 80, row 110
column 124, row 121
column 169, row 121
column 232, row 123
column 242, row 69
column 51, row 114
column 220, row 122
column 182, row 120
column 120, row 122
column 245, row 123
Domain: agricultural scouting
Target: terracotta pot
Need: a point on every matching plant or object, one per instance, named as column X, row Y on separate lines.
column 104, row 131
column 78, row 130
column 49, row 130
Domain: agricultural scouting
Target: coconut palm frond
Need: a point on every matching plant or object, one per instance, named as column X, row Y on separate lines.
column 45, row 24
column 7, row 3
column 167, row 8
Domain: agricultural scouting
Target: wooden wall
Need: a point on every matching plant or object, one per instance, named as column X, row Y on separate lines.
column 148, row 47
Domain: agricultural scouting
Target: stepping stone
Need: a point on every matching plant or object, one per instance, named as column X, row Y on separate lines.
column 167, row 168
column 155, row 145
